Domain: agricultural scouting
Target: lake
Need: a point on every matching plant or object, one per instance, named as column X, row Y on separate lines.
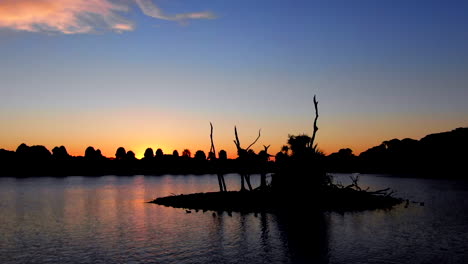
column 106, row 220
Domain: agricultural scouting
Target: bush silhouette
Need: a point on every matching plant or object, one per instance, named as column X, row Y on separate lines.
column 60, row 153
column 92, row 154
column 148, row 154
column 120, row 154
column 130, row 155
column 186, row 153
column 159, row 154
column 222, row 155
column 200, row 155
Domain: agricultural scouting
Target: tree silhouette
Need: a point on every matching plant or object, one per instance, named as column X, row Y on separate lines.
column 99, row 154
column 92, row 154
column 221, row 162
column 306, row 161
column 211, row 156
column 7, row 157
column 159, row 154
column 263, row 157
column 120, row 154
column 200, row 155
column 347, row 152
column 299, row 144
column 281, row 157
column 33, row 153
column 60, row 153
column 130, row 155
column 40, row 152
column 22, row 149
column 311, row 143
column 222, row 155
column 285, row 149
column 149, row 155
column 343, row 160
column 186, row 153
column 175, row 153
column 245, row 160
column 89, row 153
column 435, row 154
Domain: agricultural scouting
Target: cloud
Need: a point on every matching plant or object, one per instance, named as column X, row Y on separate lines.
column 65, row 16
column 80, row 16
column 123, row 27
column 150, row 9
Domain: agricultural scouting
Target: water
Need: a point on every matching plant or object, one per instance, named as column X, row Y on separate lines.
column 106, row 220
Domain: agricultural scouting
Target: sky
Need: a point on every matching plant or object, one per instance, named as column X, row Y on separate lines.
column 155, row 73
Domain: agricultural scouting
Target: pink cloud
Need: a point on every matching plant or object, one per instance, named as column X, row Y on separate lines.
column 123, row 27
column 79, row 16
column 65, row 16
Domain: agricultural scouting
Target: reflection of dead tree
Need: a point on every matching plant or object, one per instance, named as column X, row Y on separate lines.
column 245, row 159
column 212, row 157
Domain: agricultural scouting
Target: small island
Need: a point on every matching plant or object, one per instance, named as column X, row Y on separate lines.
column 329, row 199
column 300, row 181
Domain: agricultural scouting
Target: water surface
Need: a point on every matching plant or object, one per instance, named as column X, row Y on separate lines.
column 106, row 220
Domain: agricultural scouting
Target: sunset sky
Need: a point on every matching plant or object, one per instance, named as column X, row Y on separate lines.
column 154, row 73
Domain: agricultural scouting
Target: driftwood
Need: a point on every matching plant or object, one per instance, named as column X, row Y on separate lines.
column 387, row 192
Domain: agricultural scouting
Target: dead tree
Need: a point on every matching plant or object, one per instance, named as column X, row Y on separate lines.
column 245, row 160
column 212, row 157
column 311, row 143
column 263, row 158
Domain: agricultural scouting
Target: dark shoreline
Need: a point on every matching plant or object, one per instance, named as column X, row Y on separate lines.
column 441, row 155
column 257, row 201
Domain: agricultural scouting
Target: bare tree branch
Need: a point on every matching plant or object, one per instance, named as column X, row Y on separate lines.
column 212, row 149
column 254, row 141
column 236, row 141
column 315, row 123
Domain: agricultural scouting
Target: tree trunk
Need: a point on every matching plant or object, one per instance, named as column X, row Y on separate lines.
column 221, row 182
column 263, row 181
column 243, row 189
column 311, row 144
column 247, row 179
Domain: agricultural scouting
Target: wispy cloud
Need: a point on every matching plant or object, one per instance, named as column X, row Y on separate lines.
column 80, row 16
column 150, row 9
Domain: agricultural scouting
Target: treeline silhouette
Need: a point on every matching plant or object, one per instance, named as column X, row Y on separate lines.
column 39, row 161
column 436, row 155
column 442, row 155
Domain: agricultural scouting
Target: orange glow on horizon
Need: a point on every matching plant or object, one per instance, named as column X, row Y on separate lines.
column 137, row 129
column 139, row 149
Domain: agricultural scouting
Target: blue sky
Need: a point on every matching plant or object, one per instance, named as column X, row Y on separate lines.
column 381, row 69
